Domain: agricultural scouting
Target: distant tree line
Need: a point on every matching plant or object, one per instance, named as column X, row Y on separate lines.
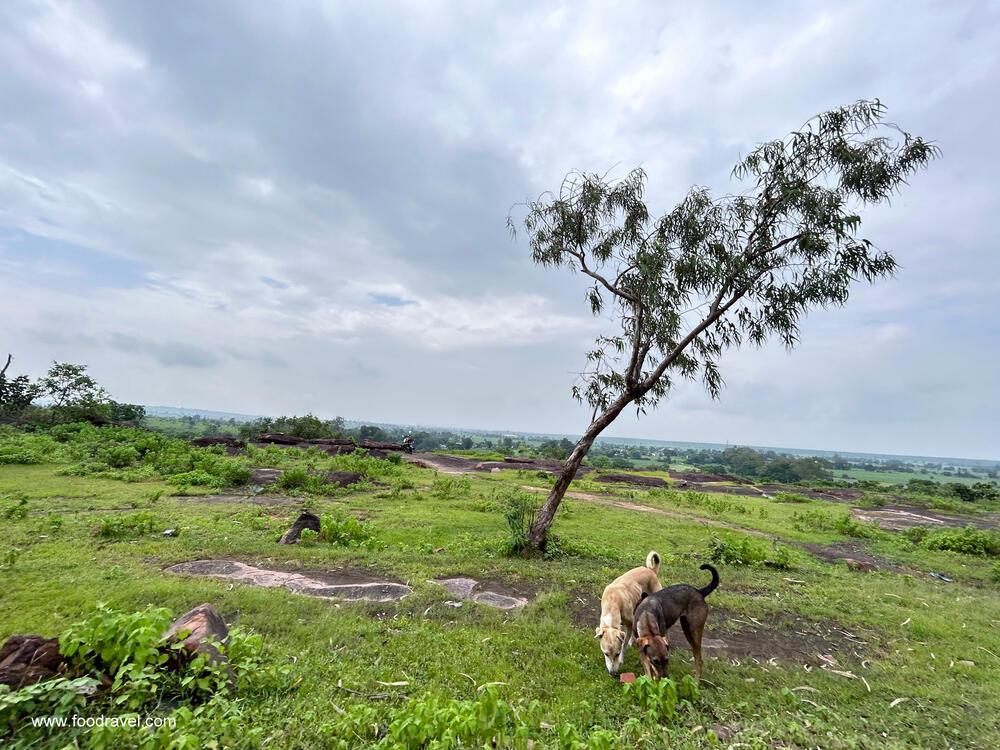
column 767, row 465
column 66, row 393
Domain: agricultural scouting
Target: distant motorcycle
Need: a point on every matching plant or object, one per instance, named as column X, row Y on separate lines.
column 407, row 447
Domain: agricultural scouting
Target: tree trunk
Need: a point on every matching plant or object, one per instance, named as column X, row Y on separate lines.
column 540, row 528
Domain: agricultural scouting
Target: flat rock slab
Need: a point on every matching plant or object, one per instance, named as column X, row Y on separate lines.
column 473, row 590
column 900, row 518
column 352, row 590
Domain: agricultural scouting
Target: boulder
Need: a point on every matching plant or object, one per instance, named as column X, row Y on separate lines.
column 278, row 438
column 342, row 478
column 306, row 520
column 226, row 440
column 197, row 631
column 264, row 477
column 27, row 659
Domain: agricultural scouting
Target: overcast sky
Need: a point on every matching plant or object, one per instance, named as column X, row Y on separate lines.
column 279, row 208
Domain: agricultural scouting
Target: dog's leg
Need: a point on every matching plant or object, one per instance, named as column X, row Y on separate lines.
column 693, row 631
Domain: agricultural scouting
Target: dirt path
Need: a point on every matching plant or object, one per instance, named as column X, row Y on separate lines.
column 610, row 502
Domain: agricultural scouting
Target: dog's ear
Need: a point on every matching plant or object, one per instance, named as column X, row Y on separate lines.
column 598, row 631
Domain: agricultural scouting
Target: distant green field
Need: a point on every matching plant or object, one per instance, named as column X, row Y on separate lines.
column 902, row 477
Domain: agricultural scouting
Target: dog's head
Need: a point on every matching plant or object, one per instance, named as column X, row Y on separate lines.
column 654, row 653
column 612, row 645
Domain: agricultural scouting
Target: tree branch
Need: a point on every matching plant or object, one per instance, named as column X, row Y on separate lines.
column 617, row 291
column 4, row 370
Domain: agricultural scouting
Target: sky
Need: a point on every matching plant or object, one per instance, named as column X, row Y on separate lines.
column 300, row 207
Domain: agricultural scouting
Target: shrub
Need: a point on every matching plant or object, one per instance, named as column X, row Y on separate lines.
column 519, row 510
column 196, row 478
column 848, row 525
column 841, row 523
column 367, row 466
column 298, row 479
column 791, row 497
column 126, row 526
column 25, row 448
column 447, row 487
column 16, row 511
column 967, row 541
column 746, row 550
column 120, row 456
column 660, row 699
column 344, row 529
column 916, row 534
column 129, row 648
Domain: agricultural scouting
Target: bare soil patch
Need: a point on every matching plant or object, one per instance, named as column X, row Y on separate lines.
column 854, row 554
column 833, row 494
column 461, row 465
column 744, row 490
column 268, row 500
column 701, row 477
column 730, row 635
column 443, row 463
column 636, row 479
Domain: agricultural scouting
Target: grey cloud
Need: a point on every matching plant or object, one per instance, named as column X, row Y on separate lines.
column 171, row 354
column 285, row 178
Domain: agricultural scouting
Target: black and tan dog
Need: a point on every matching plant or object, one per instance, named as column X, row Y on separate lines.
column 655, row 614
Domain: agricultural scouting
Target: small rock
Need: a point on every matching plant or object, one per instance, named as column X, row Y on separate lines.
column 171, row 532
column 861, row 566
column 450, row 603
column 626, row 677
column 722, row 732
column 942, row 577
column 27, row 659
column 966, row 663
column 306, row 520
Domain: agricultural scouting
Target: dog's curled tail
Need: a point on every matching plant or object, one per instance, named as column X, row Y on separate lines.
column 715, row 581
column 653, row 561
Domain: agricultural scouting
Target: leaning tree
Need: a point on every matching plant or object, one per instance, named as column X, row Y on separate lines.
column 716, row 272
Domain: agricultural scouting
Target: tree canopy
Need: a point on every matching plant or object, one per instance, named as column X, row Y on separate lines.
column 714, row 273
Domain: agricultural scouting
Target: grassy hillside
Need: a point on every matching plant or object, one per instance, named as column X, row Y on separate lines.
column 815, row 655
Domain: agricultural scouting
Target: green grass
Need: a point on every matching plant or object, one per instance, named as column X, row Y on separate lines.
column 902, row 477
column 916, row 630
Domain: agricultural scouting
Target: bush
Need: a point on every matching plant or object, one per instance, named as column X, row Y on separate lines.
column 126, row 526
column 746, row 550
column 447, row 487
column 916, row 534
column 967, row 541
column 791, row 497
column 841, row 523
column 519, row 510
column 16, row 510
column 129, row 648
column 660, row 699
column 344, row 529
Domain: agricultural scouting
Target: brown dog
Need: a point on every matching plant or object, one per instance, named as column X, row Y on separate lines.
column 657, row 612
column 618, row 605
